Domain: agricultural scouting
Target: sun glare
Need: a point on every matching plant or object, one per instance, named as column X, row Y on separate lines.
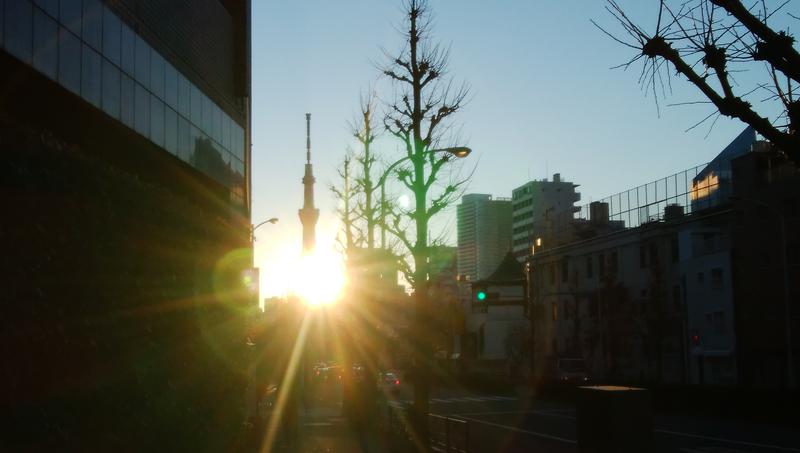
column 319, row 278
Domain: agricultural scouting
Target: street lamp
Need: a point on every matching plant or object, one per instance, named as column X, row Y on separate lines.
column 788, row 320
column 459, row 152
column 253, row 229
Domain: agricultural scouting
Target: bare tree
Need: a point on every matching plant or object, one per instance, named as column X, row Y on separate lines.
column 363, row 131
column 418, row 116
column 347, row 194
column 708, row 42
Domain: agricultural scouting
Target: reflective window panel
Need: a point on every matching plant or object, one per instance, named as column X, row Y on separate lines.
column 91, row 76
column 157, row 74
column 93, row 23
column 49, row 6
column 112, row 29
column 141, row 120
column 69, row 58
column 111, row 89
column 45, row 44
column 142, row 70
column 157, row 121
column 70, row 15
column 170, row 86
column 19, row 29
column 171, row 131
column 127, row 100
column 127, row 49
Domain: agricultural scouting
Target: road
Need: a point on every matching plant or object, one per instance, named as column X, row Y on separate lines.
column 508, row 423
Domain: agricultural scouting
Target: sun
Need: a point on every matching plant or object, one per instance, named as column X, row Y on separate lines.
column 319, row 278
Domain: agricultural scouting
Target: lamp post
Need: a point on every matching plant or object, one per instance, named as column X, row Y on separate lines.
column 786, row 303
column 251, row 345
column 253, row 229
column 459, row 152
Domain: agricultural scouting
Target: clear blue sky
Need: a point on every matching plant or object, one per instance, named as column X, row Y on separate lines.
column 544, row 101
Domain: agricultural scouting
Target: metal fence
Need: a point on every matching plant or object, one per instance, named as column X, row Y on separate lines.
column 695, row 189
column 446, row 434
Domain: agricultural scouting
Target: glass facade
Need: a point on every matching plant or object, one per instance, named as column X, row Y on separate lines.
column 91, row 52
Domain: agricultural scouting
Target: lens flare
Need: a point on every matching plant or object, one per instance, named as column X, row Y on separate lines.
column 319, row 278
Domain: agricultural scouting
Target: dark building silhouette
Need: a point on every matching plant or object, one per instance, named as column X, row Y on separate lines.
column 125, row 194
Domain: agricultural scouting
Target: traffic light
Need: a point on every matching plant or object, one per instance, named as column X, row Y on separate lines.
column 481, row 295
column 696, row 340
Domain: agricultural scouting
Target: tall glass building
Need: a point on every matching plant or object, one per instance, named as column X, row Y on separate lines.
column 176, row 73
column 124, row 224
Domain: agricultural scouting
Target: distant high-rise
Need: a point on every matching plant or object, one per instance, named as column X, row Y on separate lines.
column 484, row 234
column 308, row 214
column 542, row 209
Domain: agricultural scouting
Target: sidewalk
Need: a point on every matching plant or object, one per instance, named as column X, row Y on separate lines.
column 325, row 429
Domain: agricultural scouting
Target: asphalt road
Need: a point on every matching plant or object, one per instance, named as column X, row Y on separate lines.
column 508, row 423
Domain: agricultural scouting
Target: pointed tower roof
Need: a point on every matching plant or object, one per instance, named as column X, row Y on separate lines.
column 508, row 272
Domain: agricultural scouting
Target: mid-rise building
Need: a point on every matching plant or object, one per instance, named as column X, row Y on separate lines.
column 543, row 211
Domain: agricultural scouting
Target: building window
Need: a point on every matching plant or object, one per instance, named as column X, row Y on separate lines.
column 128, row 49
column 226, row 131
column 171, row 86
column 156, row 121
column 716, row 278
column 142, row 111
column 142, row 62
column 208, row 117
column 19, row 29
column 111, row 37
column 69, row 58
column 127, row 96
column 171, row 131
column 70, row 14
column 555, row 311
column 196, row 107
column 111, row 89
column 157, row 74
column 552, row 268
column 45, row 44
column 184, row 139
column 589, row 270
column 92, row 76
column 642, row 257
column 49, row 6
column 93, row 23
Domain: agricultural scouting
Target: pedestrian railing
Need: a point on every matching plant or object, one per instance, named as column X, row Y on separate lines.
column 446, row 434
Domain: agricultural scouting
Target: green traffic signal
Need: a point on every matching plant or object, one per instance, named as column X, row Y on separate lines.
column 481, row 295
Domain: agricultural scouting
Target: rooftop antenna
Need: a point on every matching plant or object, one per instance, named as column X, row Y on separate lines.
column 308, row 138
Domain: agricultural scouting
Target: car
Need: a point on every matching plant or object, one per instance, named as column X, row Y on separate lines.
column 570, row 371
column 389, row 383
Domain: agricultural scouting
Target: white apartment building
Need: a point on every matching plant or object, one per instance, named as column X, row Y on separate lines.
column 541, row 209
